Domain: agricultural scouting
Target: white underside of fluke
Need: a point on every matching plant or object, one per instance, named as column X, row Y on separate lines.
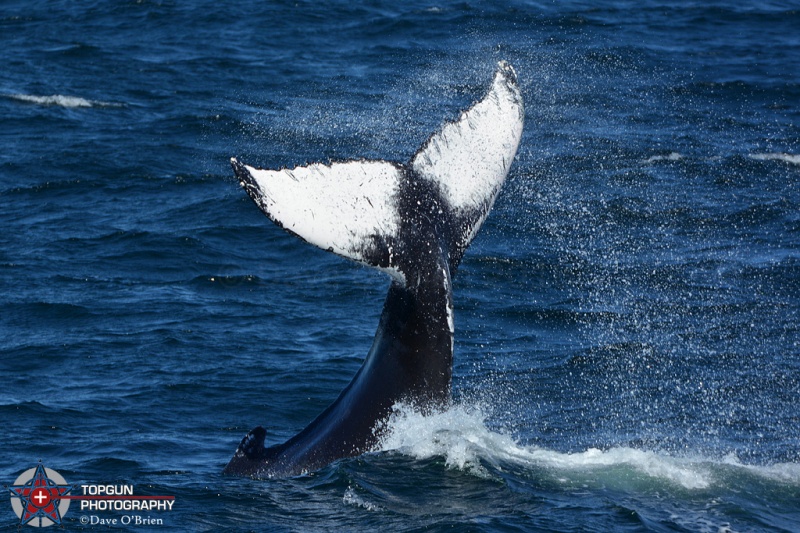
column 346, row 207
column 470, row 158
column 337, row 207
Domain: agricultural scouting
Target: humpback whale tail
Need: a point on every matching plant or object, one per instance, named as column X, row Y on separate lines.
column 362, row 209
column 413, row 221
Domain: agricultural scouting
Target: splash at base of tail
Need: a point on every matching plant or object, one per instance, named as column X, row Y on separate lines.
column 413, row 221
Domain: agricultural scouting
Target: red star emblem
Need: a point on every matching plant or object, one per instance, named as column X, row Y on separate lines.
column 40, row 497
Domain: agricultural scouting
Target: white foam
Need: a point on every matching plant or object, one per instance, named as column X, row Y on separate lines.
column 460, row 436
column 60, row 100
column 352, row 498
column 673, row 156
column 782, row 472
column 777, row 156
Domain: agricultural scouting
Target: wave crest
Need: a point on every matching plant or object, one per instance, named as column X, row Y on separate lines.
column 458, row 434
column 672, row 156
column 777, row 156
column 60, row 100
column 461, row 437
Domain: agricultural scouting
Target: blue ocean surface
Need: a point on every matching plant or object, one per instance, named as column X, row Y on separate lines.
column 627, row 348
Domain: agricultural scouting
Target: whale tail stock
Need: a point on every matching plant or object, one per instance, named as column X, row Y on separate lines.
column 413, row 221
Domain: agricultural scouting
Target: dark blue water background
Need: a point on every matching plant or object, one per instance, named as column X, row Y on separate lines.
column 627, row 356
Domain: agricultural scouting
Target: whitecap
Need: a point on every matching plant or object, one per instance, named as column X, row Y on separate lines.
column 673, row 156
column 461, row 437
column 60, row 100
column 782, row 472
column 777, row 156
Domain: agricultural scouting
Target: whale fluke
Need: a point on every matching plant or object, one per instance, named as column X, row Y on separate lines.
column 413, row 221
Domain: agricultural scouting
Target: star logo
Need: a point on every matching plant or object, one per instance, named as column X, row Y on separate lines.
column 38, row 497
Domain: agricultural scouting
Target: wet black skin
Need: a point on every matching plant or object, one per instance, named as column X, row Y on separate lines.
column 411, row 357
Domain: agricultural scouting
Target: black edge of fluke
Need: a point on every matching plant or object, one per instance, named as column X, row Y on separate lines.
column 246, row 180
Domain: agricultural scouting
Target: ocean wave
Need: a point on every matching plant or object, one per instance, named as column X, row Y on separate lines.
column 672, row 156
column 70, row 102
column 461, row 437
column 794, row 159
column 788, row 473
column 351, row 497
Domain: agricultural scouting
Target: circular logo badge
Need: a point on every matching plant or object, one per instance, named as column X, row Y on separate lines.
column 38, row 497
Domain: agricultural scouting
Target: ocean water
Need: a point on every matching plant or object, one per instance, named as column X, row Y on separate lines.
column 627, row 346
